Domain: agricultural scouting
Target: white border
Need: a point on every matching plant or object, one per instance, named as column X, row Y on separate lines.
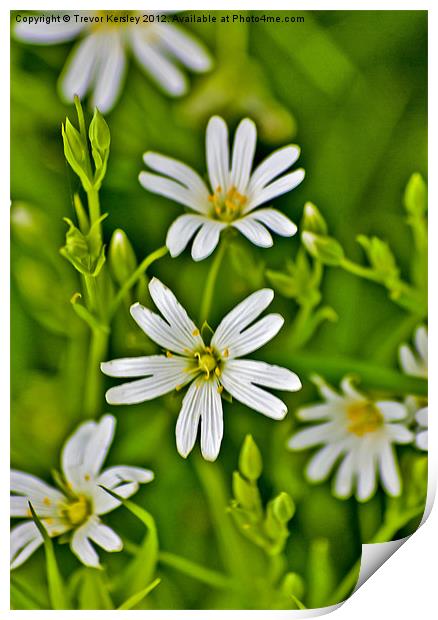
column 406, row 584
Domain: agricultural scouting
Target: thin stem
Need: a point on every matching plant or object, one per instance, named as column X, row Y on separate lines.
column 207, row 297
column 146, row 262
column 206, row 575
column 94, row 377
column 358, row 270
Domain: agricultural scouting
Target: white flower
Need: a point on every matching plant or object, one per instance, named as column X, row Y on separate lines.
column 415, row 363
column 421, row 437
column 98, row 62
column 76, row 507
column 361, row 432
column 209, row 369
column 234, row 195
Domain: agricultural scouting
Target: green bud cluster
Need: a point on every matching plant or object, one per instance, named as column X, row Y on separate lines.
column 265, row 527
column 84, row 251
column 381, row 260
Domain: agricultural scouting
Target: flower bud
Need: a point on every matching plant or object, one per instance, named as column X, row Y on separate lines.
column 250, row 459
column 100, row 139
column 75, row 152
column 415, row 197
column 381, row 258
column 283, row 507
column 122, row 258
column 313, row 221
column 82, row 252
column 245, row 493
column 292, row 584
column 325, row 249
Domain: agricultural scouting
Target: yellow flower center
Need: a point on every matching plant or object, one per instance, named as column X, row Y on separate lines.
column 208, row 362
column 363, row 418
column 77, row 510
column 227, row 207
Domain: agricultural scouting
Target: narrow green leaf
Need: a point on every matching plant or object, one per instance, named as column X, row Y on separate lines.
column 57, row 591
column 93, row 591
column 142, row 567
column 135, row 599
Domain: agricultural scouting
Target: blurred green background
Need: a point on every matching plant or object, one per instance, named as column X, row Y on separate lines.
column 350, row 87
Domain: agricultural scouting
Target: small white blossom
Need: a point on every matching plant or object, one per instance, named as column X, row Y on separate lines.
column 209, row 369
column 415, row 362
column 78, row 504
column 98, row 63
column 234, row 193
column 358, row 431
column 421, row 438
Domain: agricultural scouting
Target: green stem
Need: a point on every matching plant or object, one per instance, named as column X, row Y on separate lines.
column 146, row 262
column 207, row 297
column 206, row 575
column 358, row 270
column 91, row 288
column 94, row 377
column 333, row 369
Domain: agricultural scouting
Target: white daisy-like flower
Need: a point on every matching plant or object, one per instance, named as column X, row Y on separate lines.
column 98, row 62
column 209, row 369
column 77, row 505
column 234, row 193
column 361, row 432
column 421, row 438
column 415, row 362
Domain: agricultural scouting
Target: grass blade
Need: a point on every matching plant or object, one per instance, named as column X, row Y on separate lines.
column 137, row 598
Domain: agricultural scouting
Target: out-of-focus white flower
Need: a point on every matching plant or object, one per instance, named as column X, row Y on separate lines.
column 361, row 432
column 98, row 62
column 421, row 438
column 415, row 362
column 79, row 502
column 209, row 369
column 234, row 193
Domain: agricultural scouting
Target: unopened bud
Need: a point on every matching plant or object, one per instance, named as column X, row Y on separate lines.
column 325, row 249
column 122, row 258
column 245, row 493
column 416, row 196
column 313, row 220
column 250, row 459
column 283, row 507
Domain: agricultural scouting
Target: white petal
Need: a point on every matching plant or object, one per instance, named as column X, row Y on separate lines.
column 181, row 231
column 78, row 72
column 272, row 167
column 188, row 420
column 217, row 153
column 212, row 424
column 392, row 410
column 168, row 76
column 410, row 364
column 181, row 173
column 313, row 436
column 243, row 154
column 48, row 33
column 266, row 375
column 421, row 440
column 142, row 366
column 326, row 391
column 175, row 314
column 170, row 189
column 98, row 445
column 422, row 417
column 147, row 389
column 323, row 461
column 389, row 473
column 253, row 397
column 189, row 51
column 255, row 336
column 72, row 455
column 19, row 506
column 254, row 232
column 240, row 317
column 343, row 483
column 110, row 71
column 25, row 539
column 282, row 185
column 121, row 479
column 398, row 433
column 276, row 221
column 317, row 412
column 103, row 535
column 207, row 239
column 350, row 391
column 421, row 342
column 366, row 475
column 82, row 548
column 34, row 490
